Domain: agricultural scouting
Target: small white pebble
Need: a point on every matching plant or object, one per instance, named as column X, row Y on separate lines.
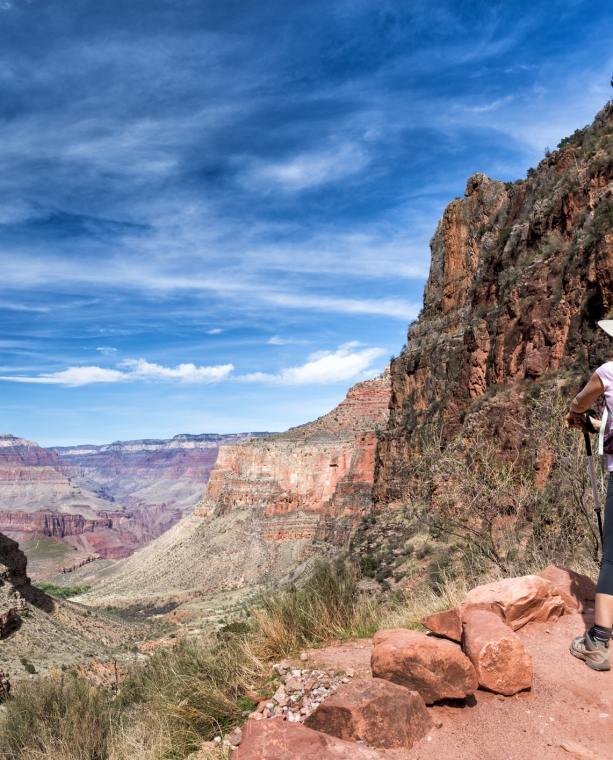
column 604, row 715
column 429, row 738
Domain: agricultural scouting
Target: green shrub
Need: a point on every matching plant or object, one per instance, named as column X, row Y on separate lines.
column 28, row 666
column 573, row 140
column 64, row 592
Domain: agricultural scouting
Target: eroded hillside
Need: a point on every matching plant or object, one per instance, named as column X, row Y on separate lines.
column 267, row 502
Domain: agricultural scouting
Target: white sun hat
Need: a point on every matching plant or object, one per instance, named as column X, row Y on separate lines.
column 607, row 326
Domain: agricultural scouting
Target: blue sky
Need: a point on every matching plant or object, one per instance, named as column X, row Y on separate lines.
column 215, row 216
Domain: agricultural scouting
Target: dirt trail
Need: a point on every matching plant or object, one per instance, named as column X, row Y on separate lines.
column 569, row 704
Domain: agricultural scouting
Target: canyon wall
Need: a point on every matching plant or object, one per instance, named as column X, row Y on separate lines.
column 314, row 481
column 106, row 500
column 269, row 501
column 165, row 474
column 520, row 274
column 43, row 497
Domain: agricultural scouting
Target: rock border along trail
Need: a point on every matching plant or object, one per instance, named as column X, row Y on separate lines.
column 567, row 713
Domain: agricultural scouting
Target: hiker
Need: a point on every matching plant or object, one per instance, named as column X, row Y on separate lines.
column 594, row 647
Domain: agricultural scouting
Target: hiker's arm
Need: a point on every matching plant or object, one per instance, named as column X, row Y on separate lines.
column 583, row 401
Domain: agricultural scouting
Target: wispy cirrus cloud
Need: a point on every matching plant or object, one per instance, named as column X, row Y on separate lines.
column 307, row 170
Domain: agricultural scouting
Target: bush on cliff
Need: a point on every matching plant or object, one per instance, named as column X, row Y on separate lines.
column 509, row 507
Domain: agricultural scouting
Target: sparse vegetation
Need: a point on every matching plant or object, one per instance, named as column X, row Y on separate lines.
column 573, row 140
column 187, row 693
column 64, row 592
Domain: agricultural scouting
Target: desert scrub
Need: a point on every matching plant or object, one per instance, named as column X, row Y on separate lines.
column 59, row 717
column 508, row 511
column 329, row 604
column 64, row 592
column 187, row 693
column 197, row 687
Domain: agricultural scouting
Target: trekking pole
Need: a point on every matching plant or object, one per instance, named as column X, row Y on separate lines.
column 590, row 461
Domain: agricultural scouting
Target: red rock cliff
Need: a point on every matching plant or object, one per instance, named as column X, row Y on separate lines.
column 520, row 274
column 312, row 481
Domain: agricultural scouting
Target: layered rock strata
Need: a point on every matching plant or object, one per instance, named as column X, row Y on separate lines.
column 267, row 501
column 43, row 496
column 520, row 274
column 313, row 481
column 152, row 475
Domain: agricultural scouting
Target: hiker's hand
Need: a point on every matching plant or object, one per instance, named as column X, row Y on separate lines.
column 576, row 421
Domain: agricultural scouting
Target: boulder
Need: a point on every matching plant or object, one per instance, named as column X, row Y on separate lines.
column 497, row 653
column 279, row 740
column 381, row 713
column 447, row 623
column 516, row 601
column 435, row 668
column 578, row 591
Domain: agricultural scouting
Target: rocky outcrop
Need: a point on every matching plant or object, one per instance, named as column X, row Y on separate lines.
column 516, row 601
column 14, row 582
column 520, row 274
column 5, row 687
column 313, row 481
column 167, row 475
column 435, row 668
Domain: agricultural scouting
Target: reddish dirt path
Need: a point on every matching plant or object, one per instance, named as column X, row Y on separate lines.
column 569, row 704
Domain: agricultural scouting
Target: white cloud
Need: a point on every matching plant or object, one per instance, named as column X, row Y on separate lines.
column 322, row 367
column 216, row 331
column 74, row 376
column 312, row 169
column 391, row 307
column 138, row 369
column 107, row 350
column 277, row 340
column 187, row 373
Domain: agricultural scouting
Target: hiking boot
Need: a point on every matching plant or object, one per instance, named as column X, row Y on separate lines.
column 596, row 654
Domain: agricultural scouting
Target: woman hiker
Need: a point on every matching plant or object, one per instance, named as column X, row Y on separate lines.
column 594, row 648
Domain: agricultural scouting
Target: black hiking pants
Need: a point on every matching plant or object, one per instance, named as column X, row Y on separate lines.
column 605, row 579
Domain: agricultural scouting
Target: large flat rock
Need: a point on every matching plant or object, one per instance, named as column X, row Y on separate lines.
column 376, row 711
column 279, row 740
column 435, row 668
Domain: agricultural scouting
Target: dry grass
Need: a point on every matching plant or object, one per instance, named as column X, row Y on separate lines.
column 328, row 605
column 186, row 694
column 63, row 718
